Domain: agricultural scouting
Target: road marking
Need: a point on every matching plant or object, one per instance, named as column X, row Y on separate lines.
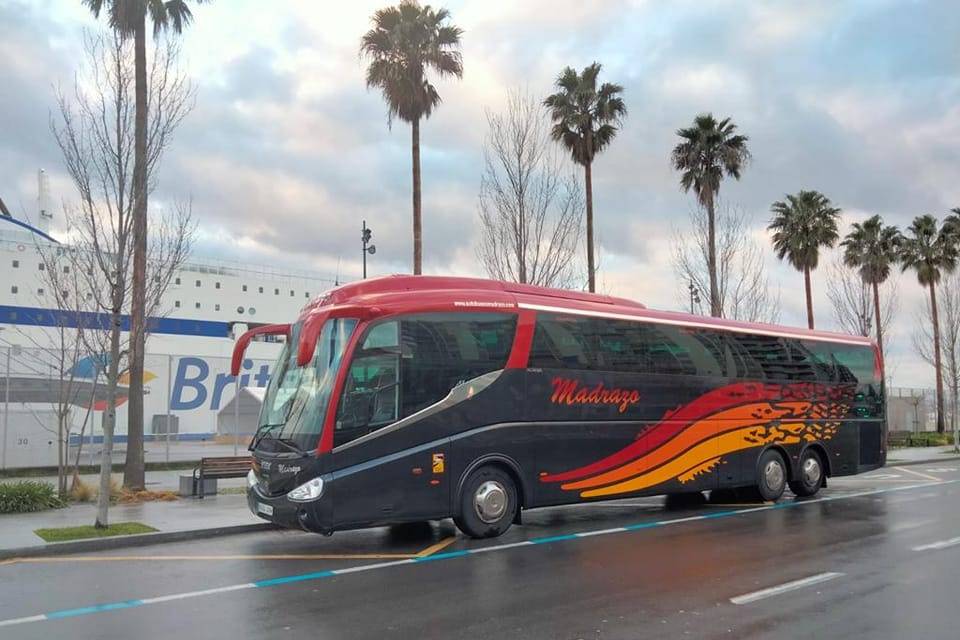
column 747, row 598
column 443, row 544
column 318, row 575
column 906, row 526
column 940, row 469
column 294, row 556
column 302, row 556
column 942, row 544
column 917, row 473
column 885, row 476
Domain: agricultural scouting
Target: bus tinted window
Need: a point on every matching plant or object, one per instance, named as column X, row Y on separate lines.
column 439, row 351
column 601, row 344
column 408, row 364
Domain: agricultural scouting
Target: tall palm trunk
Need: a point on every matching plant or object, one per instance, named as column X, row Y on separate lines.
column 591, row 272
column 417, row 214
column 715, row 309
column 809, row 290
column 133, row 473
column 876, row 314
column 936, row 356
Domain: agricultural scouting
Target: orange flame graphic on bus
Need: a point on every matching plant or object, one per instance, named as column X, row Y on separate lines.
column 693, row 439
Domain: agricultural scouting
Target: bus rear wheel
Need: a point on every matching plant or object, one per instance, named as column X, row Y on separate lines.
column 811, row 475
column 488, row 503
column 771, row 476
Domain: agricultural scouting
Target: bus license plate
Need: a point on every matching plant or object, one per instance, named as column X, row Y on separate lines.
column 265, row 509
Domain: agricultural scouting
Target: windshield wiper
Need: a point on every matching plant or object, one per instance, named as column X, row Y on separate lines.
column 290, row 445
column 261, row 434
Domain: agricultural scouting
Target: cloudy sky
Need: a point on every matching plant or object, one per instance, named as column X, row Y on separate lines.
column 286, row 151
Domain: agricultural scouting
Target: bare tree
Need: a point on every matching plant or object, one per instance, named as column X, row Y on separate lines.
column 530, row 201
column 95, row 134
column 948, row 307
column 852, row 300
column 742, row 283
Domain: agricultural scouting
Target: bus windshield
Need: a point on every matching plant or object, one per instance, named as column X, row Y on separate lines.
column 296, row 399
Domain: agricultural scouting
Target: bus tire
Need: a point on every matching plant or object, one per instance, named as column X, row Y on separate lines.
column 488, row 503
column 810, row 476
column 771, row 476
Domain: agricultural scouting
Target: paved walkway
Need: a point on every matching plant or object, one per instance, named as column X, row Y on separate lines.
column 920, row 454
column 186, row 514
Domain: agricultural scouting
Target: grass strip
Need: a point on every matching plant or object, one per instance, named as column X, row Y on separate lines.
column 63, row 534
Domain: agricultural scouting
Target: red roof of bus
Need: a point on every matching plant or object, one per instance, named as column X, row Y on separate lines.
column 406, row 294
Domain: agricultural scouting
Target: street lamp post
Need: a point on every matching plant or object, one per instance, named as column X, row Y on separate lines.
column 694, row 296
column 365, row 236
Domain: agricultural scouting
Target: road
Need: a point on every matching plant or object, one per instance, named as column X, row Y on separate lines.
column 873, row 556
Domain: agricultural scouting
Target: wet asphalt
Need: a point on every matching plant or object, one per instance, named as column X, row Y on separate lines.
column 879, row 558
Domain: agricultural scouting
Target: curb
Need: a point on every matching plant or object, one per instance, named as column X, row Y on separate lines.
column 137, row 540
column 906, row 463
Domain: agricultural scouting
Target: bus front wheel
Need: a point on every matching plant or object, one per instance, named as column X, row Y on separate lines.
column 488, row 503
column 811, row 475
column 771, row 476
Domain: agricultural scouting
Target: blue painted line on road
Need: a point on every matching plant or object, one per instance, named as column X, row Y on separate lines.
column 549, row 539
column 272, row 582
column 443, row 556
column 97, row 608
column 127, row 604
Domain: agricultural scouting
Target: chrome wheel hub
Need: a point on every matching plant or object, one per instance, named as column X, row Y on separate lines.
column 490, row 501
column 811, row 472
column 773, row 474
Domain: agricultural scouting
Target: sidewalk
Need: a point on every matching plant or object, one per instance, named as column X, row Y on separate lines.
column 186, row 517
column 920, row 455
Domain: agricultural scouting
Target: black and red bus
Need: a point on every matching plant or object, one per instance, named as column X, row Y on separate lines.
column 411, row 398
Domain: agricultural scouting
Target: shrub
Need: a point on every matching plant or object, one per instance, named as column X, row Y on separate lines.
column 81, row 491
column 28, row 495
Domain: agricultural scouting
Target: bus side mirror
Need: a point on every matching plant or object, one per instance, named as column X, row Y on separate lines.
column 241, row 346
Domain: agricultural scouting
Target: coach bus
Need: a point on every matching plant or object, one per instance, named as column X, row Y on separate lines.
column 411, row 398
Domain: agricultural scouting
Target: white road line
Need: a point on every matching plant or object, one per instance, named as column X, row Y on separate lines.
column 372, row 567
column 13, row 621
column 906, row 526
column 917, row 473
column 193, row 594
column 942, row 544
column 599, row 532
column 747, row 598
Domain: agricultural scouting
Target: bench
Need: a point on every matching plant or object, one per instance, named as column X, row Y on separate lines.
column 222, row 467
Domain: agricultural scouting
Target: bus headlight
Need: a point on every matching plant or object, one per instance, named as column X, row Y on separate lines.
column 310, row 490
column 251, row 479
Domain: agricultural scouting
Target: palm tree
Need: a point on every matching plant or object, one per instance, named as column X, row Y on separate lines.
column 873, row 248
column 129, row 17
column 404, row 42
column 801, row 225
column 708, row 151
column 585, row 121
column 931, row 252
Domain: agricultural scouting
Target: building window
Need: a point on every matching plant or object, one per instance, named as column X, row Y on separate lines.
column 196, row 305
column 66, row 269
column 13, row 289
column 239, row 309
column 253, row 311
column 66, row 294
column 306, row 294
column 198, row 283
column 16, row 264
column 291, row 293
column 216, row 307
column 176, row 303
column 42, row 266
column 156, row 278
column 89, row 296
column 40, row 291
column 261, row 289
column 244, row 288
column 276, row 292
column 177, row 281
column 216, row 285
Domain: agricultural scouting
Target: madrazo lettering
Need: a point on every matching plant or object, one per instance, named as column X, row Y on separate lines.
column 568, row 391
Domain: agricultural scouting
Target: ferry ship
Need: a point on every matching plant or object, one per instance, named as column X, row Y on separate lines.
column 187, row 379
